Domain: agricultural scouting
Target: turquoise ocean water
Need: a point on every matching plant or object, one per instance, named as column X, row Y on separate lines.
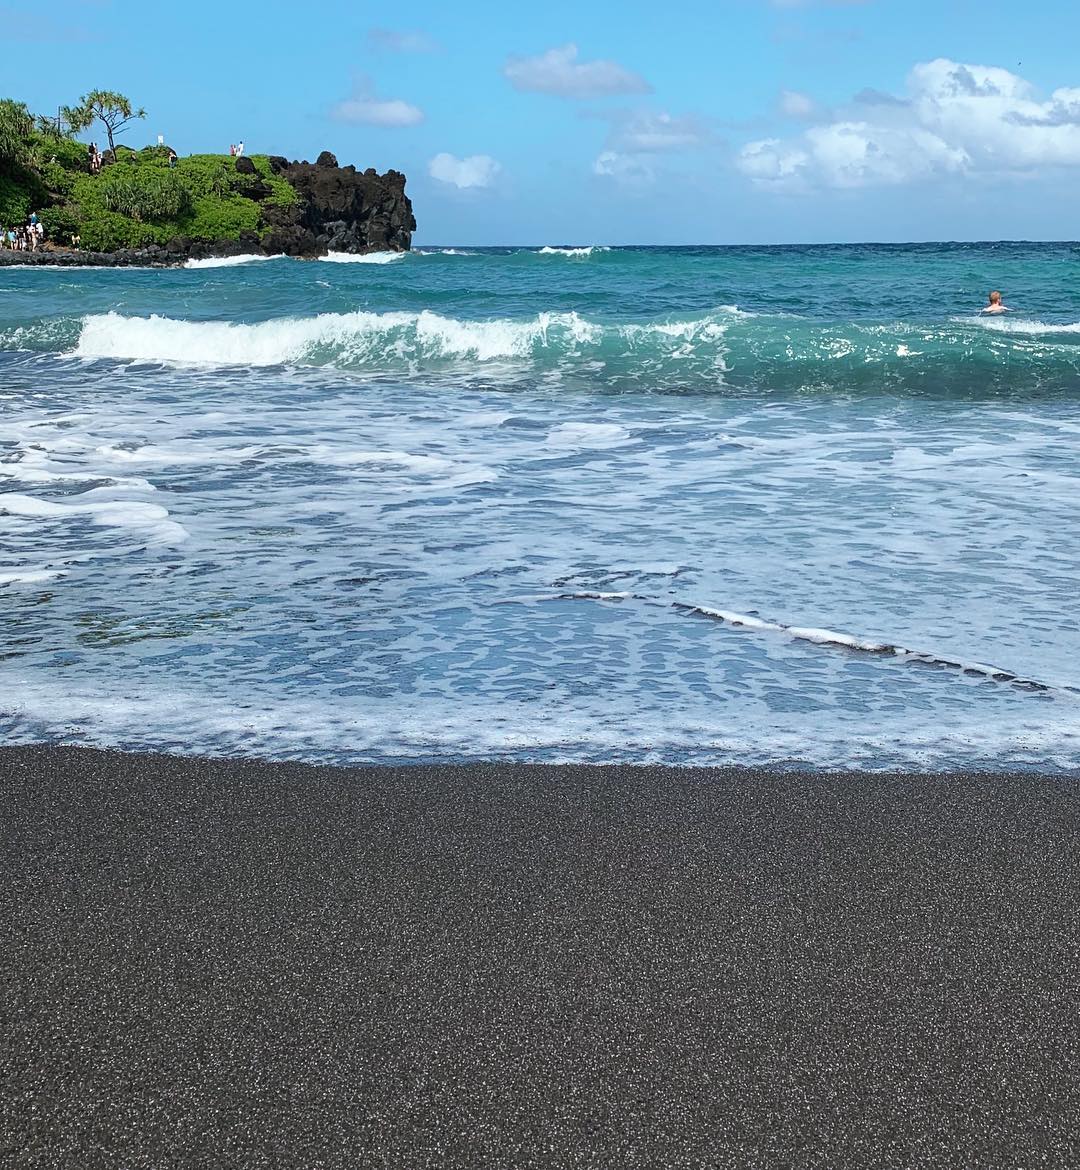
column 691, row 505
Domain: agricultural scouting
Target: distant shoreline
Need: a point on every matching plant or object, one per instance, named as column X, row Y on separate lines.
column 137, row 257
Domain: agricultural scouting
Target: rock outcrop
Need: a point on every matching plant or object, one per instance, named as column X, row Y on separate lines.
column 340, row 210
column 336, row 209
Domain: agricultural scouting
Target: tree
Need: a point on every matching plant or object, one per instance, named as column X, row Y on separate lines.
column 112, row 110
column 16, row 125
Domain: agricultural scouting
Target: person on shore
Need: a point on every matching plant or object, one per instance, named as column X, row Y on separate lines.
column 994, row 304
column 240, row 149
column 232, row 150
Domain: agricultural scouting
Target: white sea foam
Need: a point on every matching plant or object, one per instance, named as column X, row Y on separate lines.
column 418, row 468
column 893, row 530
column 363, row 258
column 346, row 337
column 577, row 253
column 588, row 435
column 151, row 520
column 1031, row 328
column 192, row 719
column 228, row 261
column 198, row 454
column 28, row 576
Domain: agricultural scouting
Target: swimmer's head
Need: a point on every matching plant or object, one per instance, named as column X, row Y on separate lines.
column 995, row 298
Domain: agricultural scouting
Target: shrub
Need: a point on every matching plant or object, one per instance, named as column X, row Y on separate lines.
column 284, row 192
column 107, row 231
column 61, row 223
column 144, row 195
column 58, row 180
column 14, row 201
column 208, row 174
column 222, row 219
column 52, row 150
column 16, row 128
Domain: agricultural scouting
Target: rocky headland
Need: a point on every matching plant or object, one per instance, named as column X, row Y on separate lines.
column 298, row 209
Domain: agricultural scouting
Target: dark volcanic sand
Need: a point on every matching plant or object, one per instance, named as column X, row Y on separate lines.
column 233, row 964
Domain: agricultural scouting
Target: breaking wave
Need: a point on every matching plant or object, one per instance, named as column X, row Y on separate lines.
column 363, row 258
column 1030, row 328
column 228, row 261
column 578, row 253
column 723, row 349
column 400, row 340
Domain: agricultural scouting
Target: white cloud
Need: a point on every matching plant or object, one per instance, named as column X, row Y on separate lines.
column 401, row 42
column 559, row 72
column 959, row 118
column 638, row 136
column 642, row 131
column 797, row 105
column 852, row 154
column 625, row 168
column 478, row 170
column 365, row 109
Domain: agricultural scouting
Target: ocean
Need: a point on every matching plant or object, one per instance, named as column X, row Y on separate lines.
column 761, row 505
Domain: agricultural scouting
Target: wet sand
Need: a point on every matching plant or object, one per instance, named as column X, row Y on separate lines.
column 237, row 964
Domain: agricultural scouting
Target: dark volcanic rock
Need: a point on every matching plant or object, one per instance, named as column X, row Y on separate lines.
column 326, row 159
column 343, row 211
column 244, row 166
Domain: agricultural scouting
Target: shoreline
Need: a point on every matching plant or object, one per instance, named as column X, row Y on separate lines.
column 143, row 257
column 266, row 964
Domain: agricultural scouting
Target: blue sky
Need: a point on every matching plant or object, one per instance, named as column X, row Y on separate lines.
column 596, row 121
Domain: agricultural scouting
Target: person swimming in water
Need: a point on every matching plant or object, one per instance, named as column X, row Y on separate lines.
column 995, row 305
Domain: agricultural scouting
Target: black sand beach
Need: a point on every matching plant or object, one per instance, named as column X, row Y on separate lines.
column 235, row 964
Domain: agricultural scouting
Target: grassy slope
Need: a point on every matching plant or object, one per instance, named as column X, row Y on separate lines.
column 139, row 200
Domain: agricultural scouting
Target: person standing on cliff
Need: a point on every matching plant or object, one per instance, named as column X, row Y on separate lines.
column 240, row 149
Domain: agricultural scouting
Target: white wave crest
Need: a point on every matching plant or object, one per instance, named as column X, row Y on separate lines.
column 1011, row 325
column 575, row 252
column 341, row 337
column 228, row 261
column 363, row 258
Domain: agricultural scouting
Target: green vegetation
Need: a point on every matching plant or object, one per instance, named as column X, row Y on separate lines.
column 16, row 127
column 111, row 109
column 137, row 198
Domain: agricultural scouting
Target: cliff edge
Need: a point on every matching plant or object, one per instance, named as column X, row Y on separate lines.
column 339, row 209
